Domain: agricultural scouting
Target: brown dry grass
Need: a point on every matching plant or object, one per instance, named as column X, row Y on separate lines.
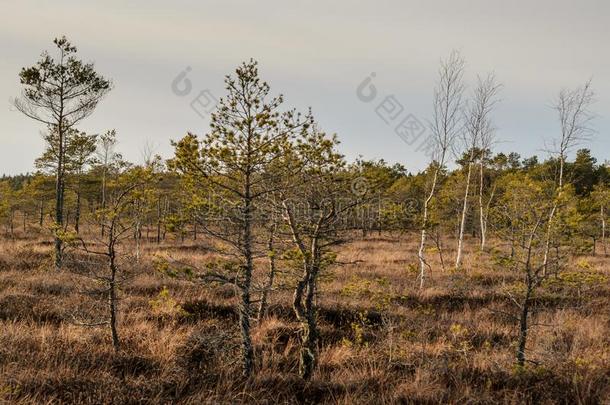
column 382, row 340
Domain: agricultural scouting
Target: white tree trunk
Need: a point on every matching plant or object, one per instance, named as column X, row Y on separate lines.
column 482, row 219
column 422, row 244
column 458, row 259
column 547, row 246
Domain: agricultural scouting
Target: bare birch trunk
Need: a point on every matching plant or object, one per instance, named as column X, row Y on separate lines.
column 422, row 244
column 482, row 219
column 458, row 259
column 547, row 245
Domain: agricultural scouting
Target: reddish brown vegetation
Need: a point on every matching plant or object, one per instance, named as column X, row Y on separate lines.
column 382, row 340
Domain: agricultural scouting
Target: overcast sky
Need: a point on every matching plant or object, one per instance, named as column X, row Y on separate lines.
column 316, row 53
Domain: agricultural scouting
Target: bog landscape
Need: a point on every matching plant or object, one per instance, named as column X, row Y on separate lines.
column 257, row 264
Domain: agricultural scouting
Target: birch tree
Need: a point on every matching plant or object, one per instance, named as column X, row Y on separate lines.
column 478, row 129
column 445, row 127
column 575, row 119
column 487, row 142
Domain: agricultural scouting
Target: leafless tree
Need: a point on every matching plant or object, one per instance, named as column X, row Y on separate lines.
column 575, row 119
column 487, row 142
column 478, row 129
column 445, row 127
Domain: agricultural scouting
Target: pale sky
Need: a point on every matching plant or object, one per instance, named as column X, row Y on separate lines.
column 316, row 53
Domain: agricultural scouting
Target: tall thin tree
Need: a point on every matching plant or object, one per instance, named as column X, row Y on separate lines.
column 60, row 93
column 445, row 127
column 478, row 128
column 575, row 117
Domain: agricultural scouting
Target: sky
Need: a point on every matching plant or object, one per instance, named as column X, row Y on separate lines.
column 317, row 54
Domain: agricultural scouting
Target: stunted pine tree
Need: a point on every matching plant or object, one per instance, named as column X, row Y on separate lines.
column 59, row 93
column 313, row 210
column 521, row 218
column 445, row 127
column 248, row 132
column 120, row 218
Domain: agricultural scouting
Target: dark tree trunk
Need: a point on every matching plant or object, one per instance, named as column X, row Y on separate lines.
column 59, row 199
column 12, row 224
column 41, row 213
column 306, row 312
column 77, row 213
column 262, row 309
column 112, row 301
column 309, row 349
column 104, row 195
column 112, row 286
column 244, row 308
column 523, row 319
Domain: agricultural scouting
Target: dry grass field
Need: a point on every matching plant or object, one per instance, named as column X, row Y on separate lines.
column 382, row 340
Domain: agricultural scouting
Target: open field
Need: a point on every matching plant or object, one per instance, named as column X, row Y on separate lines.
column 382, row 340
